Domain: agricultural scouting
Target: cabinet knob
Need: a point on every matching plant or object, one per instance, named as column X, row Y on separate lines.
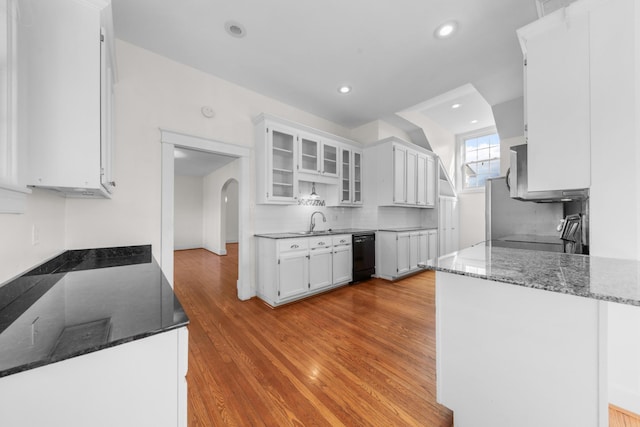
column 294, row 246
column 112, row 183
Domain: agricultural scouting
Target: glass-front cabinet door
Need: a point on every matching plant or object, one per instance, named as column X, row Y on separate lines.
column 329, row 160
column 357, row 177
column 282, row 164
column 345, row 179
column 309, row 160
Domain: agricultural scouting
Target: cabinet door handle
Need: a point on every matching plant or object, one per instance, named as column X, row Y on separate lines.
column 321, row 243
column 343, row 241
column 294, row 246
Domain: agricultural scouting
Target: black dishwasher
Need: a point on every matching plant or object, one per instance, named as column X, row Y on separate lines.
column 364, row 255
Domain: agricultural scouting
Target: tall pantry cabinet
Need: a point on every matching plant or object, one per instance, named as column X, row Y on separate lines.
column 70, row 72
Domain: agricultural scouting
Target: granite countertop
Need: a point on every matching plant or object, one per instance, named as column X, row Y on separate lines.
column 606, row 279
column 329, row 232
column 83, row 301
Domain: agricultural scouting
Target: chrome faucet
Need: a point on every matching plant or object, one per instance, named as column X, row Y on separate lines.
column 313, row 222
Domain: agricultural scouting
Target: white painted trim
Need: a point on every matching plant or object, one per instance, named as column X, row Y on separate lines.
column 200, row 143
column 603, row 364
column 170, row 140
column 167, row 215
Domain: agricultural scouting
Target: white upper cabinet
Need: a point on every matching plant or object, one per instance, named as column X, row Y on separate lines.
column 70, row 75
column 403, row 174
column 13, row 188
column 350, row 187
column 276, row 165
column 288, row 152
column 317, row 156
column 557, row 99
column 309, row 159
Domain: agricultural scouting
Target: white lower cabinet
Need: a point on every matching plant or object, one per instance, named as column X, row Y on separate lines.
column 293, row 270
column 398, row 253
column 290, row 269
column 320, row 267
column 139, row 383
column 342, row 262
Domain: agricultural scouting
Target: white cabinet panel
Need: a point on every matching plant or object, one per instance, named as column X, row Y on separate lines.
column 293, row 274
column 399, row 174
column 342, row 264
column 557, row 98
column 403, row 254
column 320, row 268
column 448, row 225
column 411, row 178
column 431, row 182
column 70, row 76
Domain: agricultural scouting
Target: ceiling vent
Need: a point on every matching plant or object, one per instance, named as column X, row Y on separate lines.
column 545, row 7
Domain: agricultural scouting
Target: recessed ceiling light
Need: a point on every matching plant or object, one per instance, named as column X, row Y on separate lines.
column 446, row 30
column 235, row 29
column 344, row 89
column 473, row 122
column 454, row 106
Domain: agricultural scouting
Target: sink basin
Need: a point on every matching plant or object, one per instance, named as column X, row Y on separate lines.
column 313, row 233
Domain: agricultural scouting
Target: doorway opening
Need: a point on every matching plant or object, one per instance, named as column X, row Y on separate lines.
column 214, row 234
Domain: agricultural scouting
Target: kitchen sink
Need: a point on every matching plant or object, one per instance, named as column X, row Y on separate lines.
column 313, row 233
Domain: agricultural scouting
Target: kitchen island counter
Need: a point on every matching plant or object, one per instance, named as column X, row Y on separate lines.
column 606, row 279
column 526, row 332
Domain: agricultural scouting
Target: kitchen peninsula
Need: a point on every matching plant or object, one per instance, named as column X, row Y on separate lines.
column 522, row 335
column 93, row 337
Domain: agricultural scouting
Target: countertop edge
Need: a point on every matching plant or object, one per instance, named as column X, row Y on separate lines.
column 41, row 363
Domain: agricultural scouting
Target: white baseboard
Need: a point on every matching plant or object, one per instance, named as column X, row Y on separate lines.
column 217, row 251
column 185, row 247
column 625, row 399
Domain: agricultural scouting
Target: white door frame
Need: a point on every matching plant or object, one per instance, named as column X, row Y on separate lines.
column 170, row 140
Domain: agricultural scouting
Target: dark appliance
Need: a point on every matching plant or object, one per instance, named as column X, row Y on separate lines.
column 364, row 256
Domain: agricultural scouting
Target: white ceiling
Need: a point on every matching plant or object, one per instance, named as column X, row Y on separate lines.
column 198, row 163
column 472, row 111
column 299, row 52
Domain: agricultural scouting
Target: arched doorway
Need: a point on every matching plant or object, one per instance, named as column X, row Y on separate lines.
column 229, row 226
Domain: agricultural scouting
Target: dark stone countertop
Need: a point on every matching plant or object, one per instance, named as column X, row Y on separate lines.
column 329, row 232
column 607, row 279
column 83, row 301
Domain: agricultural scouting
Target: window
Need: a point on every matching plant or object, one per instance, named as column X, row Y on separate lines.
column 479, row 158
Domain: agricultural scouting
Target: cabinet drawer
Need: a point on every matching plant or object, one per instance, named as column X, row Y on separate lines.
column 285, row 245
column 319, row 242
column 341, row 239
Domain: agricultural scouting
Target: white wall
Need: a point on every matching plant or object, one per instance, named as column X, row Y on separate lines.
column 231, row 215
column 471, row 217
column 153, row 92
column 615, row 176
column 46, row 211
column 188, row 209
column 214, row 206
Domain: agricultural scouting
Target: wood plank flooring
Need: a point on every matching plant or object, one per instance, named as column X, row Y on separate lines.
column 619, row 417
column 362, row 355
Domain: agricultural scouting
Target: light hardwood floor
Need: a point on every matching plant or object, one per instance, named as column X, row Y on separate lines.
column 362, row 355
